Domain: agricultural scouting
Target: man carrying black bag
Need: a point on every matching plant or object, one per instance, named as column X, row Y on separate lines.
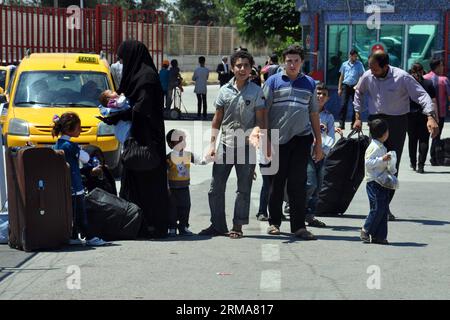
column 389, row 92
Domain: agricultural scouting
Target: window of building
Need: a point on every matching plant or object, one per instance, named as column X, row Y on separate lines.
column 391, row 36
column 362, row 40
column 337, row 51
column 421, row 44
column 418, row 46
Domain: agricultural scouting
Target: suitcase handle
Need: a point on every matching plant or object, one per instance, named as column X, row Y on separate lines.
column 41, row 187
column 353, row 132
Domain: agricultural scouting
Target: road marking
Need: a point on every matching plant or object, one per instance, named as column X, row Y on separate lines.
column 270, row 281
column 270, row 252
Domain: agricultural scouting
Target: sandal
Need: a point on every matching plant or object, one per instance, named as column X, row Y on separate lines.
column 235, row 234
column 273, row 230
column 304, row 234
column 317, row 223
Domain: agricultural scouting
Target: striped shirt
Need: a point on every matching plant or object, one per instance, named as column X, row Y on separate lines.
column 290, row 104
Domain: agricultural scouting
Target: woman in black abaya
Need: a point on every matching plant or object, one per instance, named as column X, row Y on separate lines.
column 140, row 84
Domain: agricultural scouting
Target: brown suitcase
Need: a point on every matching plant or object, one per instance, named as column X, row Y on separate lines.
column 39, row 198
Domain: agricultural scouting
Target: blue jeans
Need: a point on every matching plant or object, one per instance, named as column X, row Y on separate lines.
column 216, row 194
column 377, row 221
column 314, row 181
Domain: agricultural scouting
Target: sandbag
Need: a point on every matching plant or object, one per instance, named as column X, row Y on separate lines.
column 343, row 173
column 112, row 218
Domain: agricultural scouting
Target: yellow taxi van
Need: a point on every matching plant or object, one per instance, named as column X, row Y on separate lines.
column 48, row 84
column 6, row 75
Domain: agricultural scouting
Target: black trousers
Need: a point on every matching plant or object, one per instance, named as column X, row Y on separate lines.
column 293, row 162
column 398, row 126
column 348, row 94
column 436, row 140
column 201, row 100
column 418, row 134
column 179, row 208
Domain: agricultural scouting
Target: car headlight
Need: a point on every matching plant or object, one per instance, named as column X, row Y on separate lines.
column 18, row 127
column 105, row 130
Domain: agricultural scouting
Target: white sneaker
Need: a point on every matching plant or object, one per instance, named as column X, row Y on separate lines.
column 172, row 232
column 95, row 242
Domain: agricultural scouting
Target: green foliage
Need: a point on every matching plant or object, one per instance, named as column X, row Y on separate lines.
column 204, row 12
column 269, row 22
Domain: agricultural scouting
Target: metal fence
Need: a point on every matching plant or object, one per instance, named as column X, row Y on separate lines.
column 202, row 40
column 77, row 30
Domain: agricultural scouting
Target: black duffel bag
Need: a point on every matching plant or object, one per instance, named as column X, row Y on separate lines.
column 111, row 217
column 343, row 173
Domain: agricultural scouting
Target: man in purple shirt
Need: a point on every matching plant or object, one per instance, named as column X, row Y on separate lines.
column 442, row 88
column 388, row 91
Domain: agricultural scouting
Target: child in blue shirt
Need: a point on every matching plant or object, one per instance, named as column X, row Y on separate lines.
column 315, row 170
column 69, row 126
column 110, row 103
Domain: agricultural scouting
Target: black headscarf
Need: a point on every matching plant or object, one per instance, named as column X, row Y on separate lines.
column 138, row 70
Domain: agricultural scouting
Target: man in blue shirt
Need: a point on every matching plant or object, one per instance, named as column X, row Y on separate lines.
column 351, row 70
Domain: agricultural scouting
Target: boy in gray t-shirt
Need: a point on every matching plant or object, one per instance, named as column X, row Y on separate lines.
column 240, row 107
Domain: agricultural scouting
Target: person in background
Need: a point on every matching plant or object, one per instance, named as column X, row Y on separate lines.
column 200, row 76
column 255, row 77
column 271, row 67
column 223, row 71
column 116, row 72
column 351, row 70
column 417, row 122
column 175, row 81
column 442, row 88
column 164, row 79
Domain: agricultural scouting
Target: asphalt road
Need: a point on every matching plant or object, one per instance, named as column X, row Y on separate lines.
column 415, row 265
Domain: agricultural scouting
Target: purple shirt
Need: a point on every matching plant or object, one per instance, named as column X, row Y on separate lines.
column 391, row 95
column 444, row 91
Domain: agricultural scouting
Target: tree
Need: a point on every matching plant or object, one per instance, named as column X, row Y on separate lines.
column 204, row 12
column 269, row 22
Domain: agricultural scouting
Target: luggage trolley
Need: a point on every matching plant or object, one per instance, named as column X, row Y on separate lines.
column 175, row 112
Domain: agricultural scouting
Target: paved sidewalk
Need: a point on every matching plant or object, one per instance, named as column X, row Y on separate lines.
column 259, row 266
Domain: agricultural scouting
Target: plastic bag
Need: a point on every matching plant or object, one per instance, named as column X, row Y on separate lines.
column 387, row 178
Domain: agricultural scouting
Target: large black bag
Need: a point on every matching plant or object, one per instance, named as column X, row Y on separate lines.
column 112, row 218
column 138, row 157
column 343, row 173
column 442, row 152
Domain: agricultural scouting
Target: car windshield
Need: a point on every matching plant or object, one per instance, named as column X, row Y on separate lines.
column 2, row 78
column 60, row 88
